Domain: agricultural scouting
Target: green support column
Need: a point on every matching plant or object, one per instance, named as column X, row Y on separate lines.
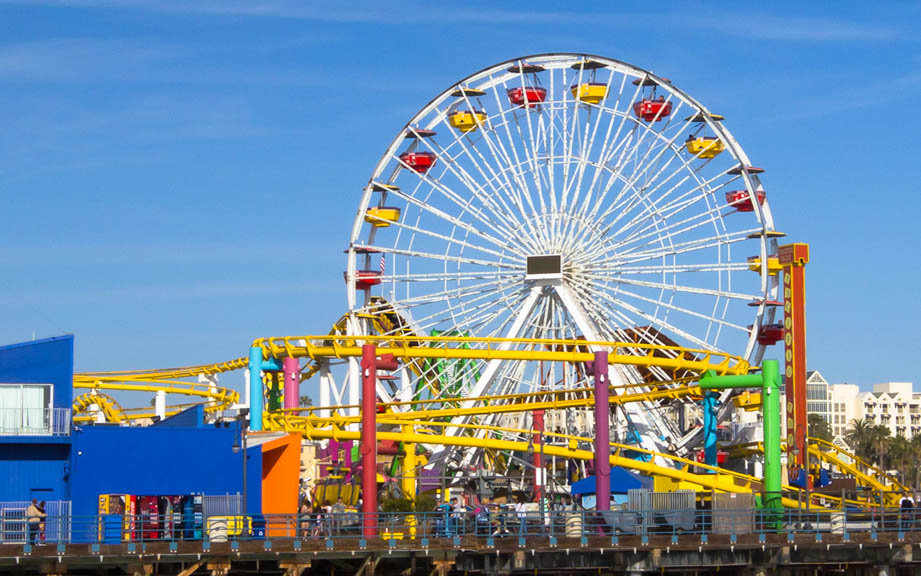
column 769, row 382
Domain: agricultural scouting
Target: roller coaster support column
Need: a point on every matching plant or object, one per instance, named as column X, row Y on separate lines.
column 602, row 433
column 769, row 382
column 292, row 369
column 369, row 366
column 256, row 392
column 537, row 421
column 710, row 404
column 256, row 397
column 408, row 485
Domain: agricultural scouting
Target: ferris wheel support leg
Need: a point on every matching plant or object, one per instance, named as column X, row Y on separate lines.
column 602, row 433
column 492, row 367
column 647, row 431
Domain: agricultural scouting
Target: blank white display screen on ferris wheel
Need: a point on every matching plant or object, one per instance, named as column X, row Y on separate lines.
column 566, row 196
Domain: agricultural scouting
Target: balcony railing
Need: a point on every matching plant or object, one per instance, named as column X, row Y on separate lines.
column 35, row 421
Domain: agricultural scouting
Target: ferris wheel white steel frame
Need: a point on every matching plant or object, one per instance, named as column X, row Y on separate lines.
column 553, row 196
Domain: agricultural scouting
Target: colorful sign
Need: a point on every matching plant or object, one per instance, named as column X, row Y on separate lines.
column 793, row 258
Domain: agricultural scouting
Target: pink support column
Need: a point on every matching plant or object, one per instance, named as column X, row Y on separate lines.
column 602, row 433
column 537, row 417
column 292, row 369
column 369, row 440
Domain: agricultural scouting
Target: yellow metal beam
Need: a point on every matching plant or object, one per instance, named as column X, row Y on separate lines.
column 533, row 349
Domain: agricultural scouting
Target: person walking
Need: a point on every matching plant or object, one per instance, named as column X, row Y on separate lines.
column 906, row 511
column 338, row 516
column 522, row 509
column 41, row 524
column 34, row 516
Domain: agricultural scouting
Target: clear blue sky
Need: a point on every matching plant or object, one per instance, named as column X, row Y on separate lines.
column 179, row 177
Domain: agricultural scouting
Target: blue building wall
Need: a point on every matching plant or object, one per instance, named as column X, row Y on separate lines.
column 37, row 466
column 34, row 470
column 47, row 361
column 178, row 456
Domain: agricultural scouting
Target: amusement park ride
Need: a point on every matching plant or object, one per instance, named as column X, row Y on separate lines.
column 558, row 236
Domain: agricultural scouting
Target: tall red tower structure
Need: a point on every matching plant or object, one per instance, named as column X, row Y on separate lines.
column 793, row 258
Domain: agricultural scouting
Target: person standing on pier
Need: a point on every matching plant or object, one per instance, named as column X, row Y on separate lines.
column 34, row 518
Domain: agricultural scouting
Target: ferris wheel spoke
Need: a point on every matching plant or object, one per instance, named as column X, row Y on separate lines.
column 462, row 243
column 445, row 258
column 438, row 213
column 498, row 207
column 511, row 189
column 621, row 292
column 495, row 223
column 469, row 291
column 510, row 116
column 681, row 268
column 534, row 168
column 675, row 205
column 604, row 152
column 667, row 326
column 672, row 232
column 640, row 253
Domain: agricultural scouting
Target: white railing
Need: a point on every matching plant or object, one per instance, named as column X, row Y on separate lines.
column 35, row 421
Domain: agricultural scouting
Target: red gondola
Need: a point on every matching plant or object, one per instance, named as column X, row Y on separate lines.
column 365, row 279
column 770, row 334
column 652, row 110
column 741, row 200
column 533, row 95
column 419, row 162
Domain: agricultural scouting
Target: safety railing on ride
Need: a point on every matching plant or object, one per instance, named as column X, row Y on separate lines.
column 424, row 529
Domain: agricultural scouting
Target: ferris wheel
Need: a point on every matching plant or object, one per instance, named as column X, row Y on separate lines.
column 563, row 196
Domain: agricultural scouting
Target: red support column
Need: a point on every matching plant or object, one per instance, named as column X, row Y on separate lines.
column 602, row 433
column 369, row 440
column 537, row 417
column 369, row 365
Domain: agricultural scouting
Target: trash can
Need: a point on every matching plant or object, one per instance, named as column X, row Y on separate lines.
column 573, row 525
column 217, row 528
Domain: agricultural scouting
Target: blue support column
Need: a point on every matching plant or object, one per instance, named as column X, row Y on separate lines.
column 711, row 404
column 256, row 398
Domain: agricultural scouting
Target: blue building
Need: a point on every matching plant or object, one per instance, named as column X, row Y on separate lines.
column 36, row 391
column 72, row 467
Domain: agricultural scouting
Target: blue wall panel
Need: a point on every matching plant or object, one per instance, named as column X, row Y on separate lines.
column 34, row 470
column 155, row 460
column 41, row 361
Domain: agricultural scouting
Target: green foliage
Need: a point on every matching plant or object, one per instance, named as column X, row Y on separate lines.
column 426, row 502
column 305, row 401
column 819, row 428
column 397, row 505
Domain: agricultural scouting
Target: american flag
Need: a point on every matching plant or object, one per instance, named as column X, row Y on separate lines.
column 383, row 264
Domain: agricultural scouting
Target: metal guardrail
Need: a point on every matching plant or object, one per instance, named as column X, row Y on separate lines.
column 345, row 530
column 35, row 421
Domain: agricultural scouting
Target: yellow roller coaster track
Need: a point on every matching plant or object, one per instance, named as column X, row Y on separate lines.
column 866, row 474
column 672, row 359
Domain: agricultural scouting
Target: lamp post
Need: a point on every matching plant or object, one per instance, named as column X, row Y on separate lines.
column 239, row 445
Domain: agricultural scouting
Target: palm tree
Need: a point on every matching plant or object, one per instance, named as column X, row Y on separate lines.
column 860, row 436
column 818, row 428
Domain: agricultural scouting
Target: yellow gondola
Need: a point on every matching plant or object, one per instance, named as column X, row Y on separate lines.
column 466, row 121
column 754, row 264
column 705, row 146
column 382, row 216
column 590, row 92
